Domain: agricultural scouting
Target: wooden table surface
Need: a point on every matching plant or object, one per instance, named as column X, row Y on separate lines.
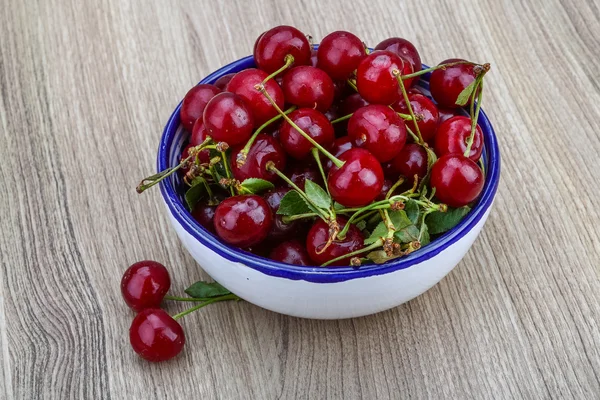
column 85, row 92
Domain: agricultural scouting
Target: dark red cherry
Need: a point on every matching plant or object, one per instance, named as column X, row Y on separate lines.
column 313, row 123
column 307, row 86
column 145, row 284
column 204, row 214
column 457, row 180
column 340, row 145
column 352, row 103
column 273, row 45
column 243, row 84
column 404, row 49
column 300, row 172
column 290, row 252
column 426, row 109
column 155, row 335
column 339, row 54
column 194, row 103
column 411, row 161
column 264, row 149
column 185, row 153
column 387, row 185
column 446, row 113
column 453, row 135
column 319, row 235
column 222, row 82
column 280, row 230
column 358, row 182
column 229, row 119
column 374, row 78
column 378, row 129
column 198, row 137
column 243, row 220
column 447, row 84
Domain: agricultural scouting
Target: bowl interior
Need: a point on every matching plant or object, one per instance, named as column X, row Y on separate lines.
column 174, row 138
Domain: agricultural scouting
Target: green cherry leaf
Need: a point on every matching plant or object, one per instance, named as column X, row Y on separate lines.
column 362, row 225
column 400, row 219
column 424, row 235
column 466, row 94
column 406, row 235
column 411, row 208
column 439, row 222
column 256, row 185
column 317, row 195
column 195, row 193
column 293, row 204
column 202, row 289
column 379, row 232
column 379, row 257
column 337, row 206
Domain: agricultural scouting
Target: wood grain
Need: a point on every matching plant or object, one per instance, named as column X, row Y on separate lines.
column 85, row 91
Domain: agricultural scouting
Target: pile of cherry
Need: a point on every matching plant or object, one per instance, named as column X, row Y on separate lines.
column 336, row 145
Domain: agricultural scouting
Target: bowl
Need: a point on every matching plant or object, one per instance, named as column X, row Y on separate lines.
column 322, row 292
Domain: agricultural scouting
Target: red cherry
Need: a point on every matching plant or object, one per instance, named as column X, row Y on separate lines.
column 313, row 123
column 145, row 284
column 290, row 252
column 404, row 49
column 457, row 180
column 222, row 82
column 319, row 235
column 204, row 214
column 447, row 84
column 227, row 118
column 446, row 113
column 387, row 185
column 378, row 129
column 243, row 84
column 374, row 78
column 411, row 161
column 155, row 335
column 264, row 149
column 424, row 107
column 358, row 182
column 194, row 103
column 340, row 145
column 339, row 54
column 299, row 173
column 198, row 137
column 307, row 86
column 313, row 57
column 243, row 220
column 352, row 103
column 273, row 45
column 280, row 230
column 453, row 135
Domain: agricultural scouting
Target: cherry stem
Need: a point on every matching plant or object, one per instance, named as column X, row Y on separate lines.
column 317, row 158
column 441, row 66
column 340, row 119
column 271, row 167
column 188, row 299
column 394, row 187
column 412, row 134
column 227, row 171
column 396, row 73
column 226, row 297
column 243, row 154
column 289, row 60
column 374, row 246
column 366, row 216
column 291, row 218
column 405, row 117
column 475, row 115
column 338, row 163
column 374, row 206
column 352, row 84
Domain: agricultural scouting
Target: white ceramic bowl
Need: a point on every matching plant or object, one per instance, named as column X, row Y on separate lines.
column 317, row 292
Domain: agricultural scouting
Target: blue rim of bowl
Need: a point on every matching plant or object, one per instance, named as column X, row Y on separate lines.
column 317, row 274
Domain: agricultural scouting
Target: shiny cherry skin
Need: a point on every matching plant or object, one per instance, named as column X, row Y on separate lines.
column 411, row 161
column 194, row 103
column 306, row 86
column 243, row 84
column 145, row 284
column 424, row 107
column 446, row 114
column 229, row 119
column 264, row 149
column 280, row 230
column 198, row 137
column 313, row 58
column 457, row 180
column 340, row 145
column 352, row 103
column 378, row 129
column 453, row 135
column 155, row 335
column 273, row 45
column 447, row 84
column 300, row 172
column 204, row 214
column 243, row 220
column 339, row 54
column 291, row 252
column 374, row 78
column 358, row 182
column 319, row 234
column 314, row 124
column 404, row 49
column 222, row 82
